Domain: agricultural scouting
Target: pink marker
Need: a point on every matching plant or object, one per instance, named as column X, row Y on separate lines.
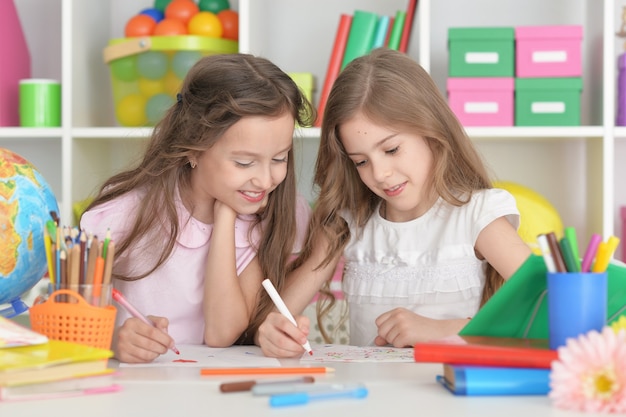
column 590, row 253
column 119, row 298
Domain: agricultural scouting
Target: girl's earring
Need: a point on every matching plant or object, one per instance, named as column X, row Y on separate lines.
column 193, row 164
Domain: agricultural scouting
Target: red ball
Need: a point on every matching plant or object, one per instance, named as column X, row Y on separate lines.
column 170, row 27
column 140, row 25
column 230, row 24
column 182, row 10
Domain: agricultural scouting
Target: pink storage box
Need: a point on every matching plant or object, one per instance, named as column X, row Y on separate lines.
column 482, row 101
column 548, row 51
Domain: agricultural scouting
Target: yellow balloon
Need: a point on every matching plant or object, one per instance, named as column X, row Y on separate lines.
column 537, row 214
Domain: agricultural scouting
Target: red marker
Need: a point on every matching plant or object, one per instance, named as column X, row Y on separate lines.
column 119, row 298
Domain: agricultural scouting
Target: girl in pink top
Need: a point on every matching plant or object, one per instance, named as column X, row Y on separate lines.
column 210, row 210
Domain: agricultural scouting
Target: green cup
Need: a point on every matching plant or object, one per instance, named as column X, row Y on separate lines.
column 40, row 103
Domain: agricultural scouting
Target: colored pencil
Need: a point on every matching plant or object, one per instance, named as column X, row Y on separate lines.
column 265, row 371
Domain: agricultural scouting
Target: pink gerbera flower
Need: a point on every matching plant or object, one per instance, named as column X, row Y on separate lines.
column 590, row 374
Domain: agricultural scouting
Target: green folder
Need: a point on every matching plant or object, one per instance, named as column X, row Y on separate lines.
column 520, row 308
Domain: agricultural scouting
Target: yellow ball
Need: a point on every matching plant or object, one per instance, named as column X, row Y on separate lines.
column 149, row 87
column 171, row 84
column 205, row 24
column 131, row 110
column 537, row 214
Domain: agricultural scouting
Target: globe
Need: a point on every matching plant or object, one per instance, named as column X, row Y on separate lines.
column 26, row 203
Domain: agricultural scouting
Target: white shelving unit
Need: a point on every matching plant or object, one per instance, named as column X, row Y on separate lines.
column 575, row 168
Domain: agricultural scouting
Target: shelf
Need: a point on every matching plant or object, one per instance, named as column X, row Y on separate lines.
column 574, row 167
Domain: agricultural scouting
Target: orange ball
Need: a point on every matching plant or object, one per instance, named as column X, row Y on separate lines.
column 182, row 10
column 230, row 24
column 205, row 24
column 170, row 27
column 140, row 25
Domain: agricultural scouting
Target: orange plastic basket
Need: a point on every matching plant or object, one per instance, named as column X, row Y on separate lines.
column 77, row 322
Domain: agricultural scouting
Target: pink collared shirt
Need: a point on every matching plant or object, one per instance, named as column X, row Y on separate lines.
column 175, row 290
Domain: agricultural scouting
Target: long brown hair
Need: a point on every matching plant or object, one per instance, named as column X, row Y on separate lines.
column 393, row 90
column 218, row 91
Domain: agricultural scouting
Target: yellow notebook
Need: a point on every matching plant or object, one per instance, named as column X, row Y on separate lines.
column 50, row 361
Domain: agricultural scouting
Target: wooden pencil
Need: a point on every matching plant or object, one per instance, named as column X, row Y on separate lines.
column 106, row 276
column 73, row 270
column 92, row 255
column 83, row 257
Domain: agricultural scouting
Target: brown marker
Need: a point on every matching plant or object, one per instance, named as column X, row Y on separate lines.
column 247, row 385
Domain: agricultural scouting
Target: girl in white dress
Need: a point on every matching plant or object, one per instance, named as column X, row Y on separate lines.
column 405, row 198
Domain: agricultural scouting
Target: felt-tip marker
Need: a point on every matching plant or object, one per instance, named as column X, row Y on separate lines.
column 239, row 386
column 282, row 308
column 119, row 298
column 300, row 398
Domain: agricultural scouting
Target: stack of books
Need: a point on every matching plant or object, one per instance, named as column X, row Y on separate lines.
column 358, row 34
column 35, row 367
column 488, row 365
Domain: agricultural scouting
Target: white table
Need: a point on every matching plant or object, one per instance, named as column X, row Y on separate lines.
column 395, row 389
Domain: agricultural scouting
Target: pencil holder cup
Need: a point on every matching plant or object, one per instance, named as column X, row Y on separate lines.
column 96, row 295
column 577, row 304
column 67, row 316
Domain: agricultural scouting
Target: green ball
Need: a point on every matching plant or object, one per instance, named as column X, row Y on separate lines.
column 183, row 61
column 213, row 6
column 152, row 65
column 124, row 69
column 161, row 4
column 156, row 107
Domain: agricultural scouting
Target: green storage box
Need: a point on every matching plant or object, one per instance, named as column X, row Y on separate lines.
column 481, row 52
column 547, row 101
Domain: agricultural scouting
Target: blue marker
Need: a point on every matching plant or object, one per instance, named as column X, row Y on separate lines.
column 300, row 398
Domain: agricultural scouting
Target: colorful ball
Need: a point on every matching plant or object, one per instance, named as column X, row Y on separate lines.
column 149, row 87
column 537, row 214
column 205, row 24
column 182, row 10
column 213, row 6
column 124, row 69
column 183, row 60
column 152, row 64
column 170, row 27
column 156, row 106
column 139, row 25
column 171, row 83
column 161, row 4
column 131, row 110
column 156, row 14
column 230, row 24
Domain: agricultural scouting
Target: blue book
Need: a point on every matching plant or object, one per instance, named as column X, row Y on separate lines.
column 494, row 380
column 381, row 32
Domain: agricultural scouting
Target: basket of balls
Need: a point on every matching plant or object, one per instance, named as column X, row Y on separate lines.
column 148, row 65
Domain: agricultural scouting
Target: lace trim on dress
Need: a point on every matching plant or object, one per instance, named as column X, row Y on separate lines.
column 378, row 284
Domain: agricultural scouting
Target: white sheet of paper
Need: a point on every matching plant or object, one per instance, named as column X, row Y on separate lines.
column 251, row 356
column 347, row 353
column 206, row 357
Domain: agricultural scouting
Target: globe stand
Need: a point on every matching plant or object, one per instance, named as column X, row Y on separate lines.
column 17, row 307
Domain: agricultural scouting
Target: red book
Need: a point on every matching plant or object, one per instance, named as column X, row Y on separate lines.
column 408, row 23
column 389, row 29
column 334, row 64
column 486, row 350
